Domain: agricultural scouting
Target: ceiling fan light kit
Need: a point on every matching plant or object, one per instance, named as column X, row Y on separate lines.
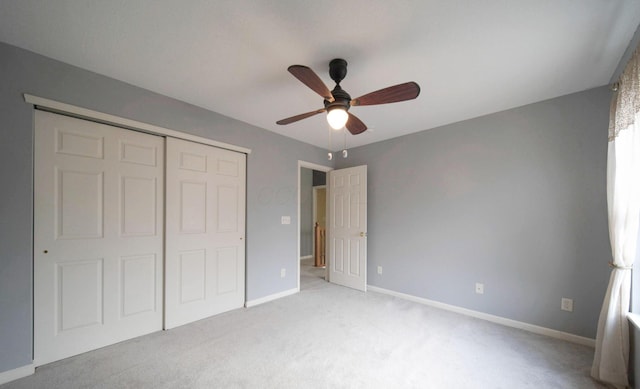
column 337, row 102
column 337, row 117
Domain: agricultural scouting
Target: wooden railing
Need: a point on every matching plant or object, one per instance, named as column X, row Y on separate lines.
column 319, row 255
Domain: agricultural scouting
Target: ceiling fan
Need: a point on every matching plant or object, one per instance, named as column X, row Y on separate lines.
column 337, row 102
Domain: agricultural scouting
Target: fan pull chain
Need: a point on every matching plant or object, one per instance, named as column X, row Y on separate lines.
column 329, row 154
column 344, row 151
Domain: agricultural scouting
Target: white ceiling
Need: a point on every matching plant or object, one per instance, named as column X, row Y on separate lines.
column 470, row 57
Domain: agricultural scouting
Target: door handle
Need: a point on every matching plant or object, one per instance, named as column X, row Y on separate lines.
column 363, row 234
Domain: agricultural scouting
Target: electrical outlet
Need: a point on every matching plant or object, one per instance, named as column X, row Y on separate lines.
column 479, row 288
column 566, row 304
column 286, row 220
column 379, row 269
column 283, row 272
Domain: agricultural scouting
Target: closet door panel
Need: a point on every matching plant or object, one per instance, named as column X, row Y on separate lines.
column 205, row 251
column 98, row 235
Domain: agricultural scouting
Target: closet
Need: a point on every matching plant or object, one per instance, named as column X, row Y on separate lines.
column 133, row 233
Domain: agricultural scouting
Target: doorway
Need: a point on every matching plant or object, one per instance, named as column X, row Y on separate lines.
column 311, row 211
column 319, row 208
column 346, row 221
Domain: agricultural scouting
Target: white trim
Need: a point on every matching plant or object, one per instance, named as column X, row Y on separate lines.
column 17, row 373
column 492, row 318
column 106, row 118
column 306, row 257
column 634, row 319
column 314, row 198
column 312, row 166
column 271, row 297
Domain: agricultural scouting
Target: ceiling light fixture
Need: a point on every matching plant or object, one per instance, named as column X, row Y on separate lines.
column 337, row 117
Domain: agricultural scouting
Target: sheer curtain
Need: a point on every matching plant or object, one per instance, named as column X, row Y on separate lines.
column 623, row 199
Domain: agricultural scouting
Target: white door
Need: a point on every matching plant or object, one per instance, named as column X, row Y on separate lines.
column 205, row 250
column 98, row 235
column 348, row 227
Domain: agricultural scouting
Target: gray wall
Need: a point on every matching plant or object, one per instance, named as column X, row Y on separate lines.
column 634, row 363
column 515, row 200
column 306, row 212
column 272, row 171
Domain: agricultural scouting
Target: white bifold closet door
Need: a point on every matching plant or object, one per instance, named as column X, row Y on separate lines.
column 205, row 249
column 98, row 235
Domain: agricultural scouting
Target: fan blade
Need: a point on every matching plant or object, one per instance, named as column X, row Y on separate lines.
column 310, row 79
column 392, row 94
column 355, row 125
column 300, row 117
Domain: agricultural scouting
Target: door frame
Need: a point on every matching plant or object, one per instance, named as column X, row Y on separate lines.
column 312, row 166
column 117, row 121
column 314, row 216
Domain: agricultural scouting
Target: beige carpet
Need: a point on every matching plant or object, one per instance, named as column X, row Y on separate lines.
column 328, row 337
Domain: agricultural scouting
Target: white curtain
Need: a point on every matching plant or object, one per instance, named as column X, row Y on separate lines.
column 623, row 199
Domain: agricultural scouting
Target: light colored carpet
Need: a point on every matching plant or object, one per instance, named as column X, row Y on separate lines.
column 328, row 337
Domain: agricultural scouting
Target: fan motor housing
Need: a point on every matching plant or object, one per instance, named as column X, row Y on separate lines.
column 341, row 99
column 338, row 71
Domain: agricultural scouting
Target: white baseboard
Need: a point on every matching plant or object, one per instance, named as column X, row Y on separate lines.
column 492, row 318
column 306, row 257
column 20, row 372
column 271, row 297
